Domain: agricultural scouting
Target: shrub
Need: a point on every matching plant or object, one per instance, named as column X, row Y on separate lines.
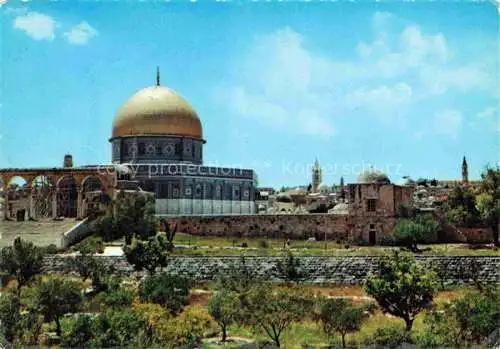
column 118, row 298
column 50, row 249
column 244, row 245
column 116, row 328
column 477, row 315
column 263, row 244
column 189, row 327
column 171, row 291
column 389, row 336
column 80, row 334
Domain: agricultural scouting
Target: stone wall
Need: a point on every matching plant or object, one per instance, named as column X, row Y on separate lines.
column 272, row 226
column 316, row 270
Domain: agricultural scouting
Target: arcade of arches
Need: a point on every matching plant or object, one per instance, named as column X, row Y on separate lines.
column 52, row 193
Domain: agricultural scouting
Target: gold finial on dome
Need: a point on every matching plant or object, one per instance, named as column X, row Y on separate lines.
column 157, row 76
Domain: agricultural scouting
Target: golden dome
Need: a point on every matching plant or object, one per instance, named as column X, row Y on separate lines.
column 157, row 110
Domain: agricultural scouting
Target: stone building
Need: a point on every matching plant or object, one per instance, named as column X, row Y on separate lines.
column 372, row 205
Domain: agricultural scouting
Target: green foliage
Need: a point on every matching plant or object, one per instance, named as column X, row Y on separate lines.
column 116, row 328
column 171, row 291
column 23, row 260
column 188, row 328
column 477, row 315
column 402, row 287
column 128, row 216
column 263, row 244
column 440, row 330
column 119, row 297
column 420, row 229
column 289, row 268
column 9, row 314
column 224, row 308
column 390, row 336
column 31, row 325
column 488, row 200
column 460, row 209
column 80, row 334
column 274, row 311
column 89, row 267
column 150, row 254
column 338, row 316
column 91, row 245
column 55, row 297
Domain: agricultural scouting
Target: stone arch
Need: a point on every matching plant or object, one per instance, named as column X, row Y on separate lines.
column 92, row 183
column 17, row 193
column 67, row 196
column 41, row 192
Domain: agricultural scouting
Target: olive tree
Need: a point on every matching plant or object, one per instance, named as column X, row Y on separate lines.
column 402, row 287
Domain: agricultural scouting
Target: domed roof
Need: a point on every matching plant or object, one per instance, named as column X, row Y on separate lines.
column 323, row 186
column 373, row 176
column 157, row 110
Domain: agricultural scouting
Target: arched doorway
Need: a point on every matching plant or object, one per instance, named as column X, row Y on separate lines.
column 67, row 196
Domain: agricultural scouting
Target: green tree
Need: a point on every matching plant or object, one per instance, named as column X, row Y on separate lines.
column 488, row 200
column 128, row 216
column 417, row 230
column 224, row 308
column 10, row 307
column 275, row 310
column 402, row 287
column 289, row 268
column 23, row 260
column 477, row 315
column 460, row 208
column 55, row 297
column 171, row 291
column 338, row 316
column 150, row 254
column 116, row 328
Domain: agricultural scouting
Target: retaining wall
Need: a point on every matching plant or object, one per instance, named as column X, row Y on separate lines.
column 316, row 270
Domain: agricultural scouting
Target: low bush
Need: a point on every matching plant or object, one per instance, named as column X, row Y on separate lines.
column 389, row 336
column 190, row 327
column 263, row 244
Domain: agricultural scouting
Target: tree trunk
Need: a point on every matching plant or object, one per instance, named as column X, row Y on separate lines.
column 343, row 340
column 224, row 334
column 409, row 324
column 58, row 327
column 277, row 341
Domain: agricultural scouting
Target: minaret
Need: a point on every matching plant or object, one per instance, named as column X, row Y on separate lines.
column 316, row 176
column 342, row 190
column 465, row 172
column 157, row 76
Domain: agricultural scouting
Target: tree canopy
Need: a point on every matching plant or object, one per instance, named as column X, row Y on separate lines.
column 402, row 287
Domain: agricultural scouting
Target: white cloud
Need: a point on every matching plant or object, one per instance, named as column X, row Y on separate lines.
column 81, row 34
column 487, row 113
column 448, row 122
column 283, row 83
column 36, row 25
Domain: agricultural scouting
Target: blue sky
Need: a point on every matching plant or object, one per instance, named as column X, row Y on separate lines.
column 407, row 87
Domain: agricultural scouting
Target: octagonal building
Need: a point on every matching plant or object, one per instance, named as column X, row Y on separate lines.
column 158, row 135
